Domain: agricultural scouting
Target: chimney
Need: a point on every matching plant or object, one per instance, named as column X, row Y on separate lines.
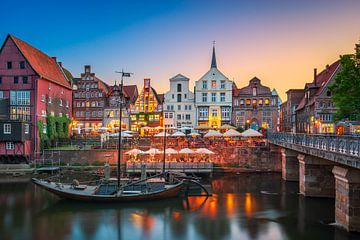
column 315, row 74
column 87, row 69
column 54, row 58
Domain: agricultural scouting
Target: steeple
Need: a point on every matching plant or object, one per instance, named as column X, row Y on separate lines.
column 213, row 60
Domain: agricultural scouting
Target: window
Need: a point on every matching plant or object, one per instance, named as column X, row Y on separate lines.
column 43, row 113
column 254, row 91
column 204, row 84
column 328, row 93
column 267, row 101
column 171, row 115
column 179, row 97
column 93, row 114
column 187, row 116
column 19, row 97
column 222, row 97
column 9, row 65
column 204, row 97
column 7, row 128
column 213, row 84
column 1, row 94
column 222, row 84
column 185, row 96
column 189, row 107
column 186, row 107
column 43, row 98
column 213, row 97
column 49, row 86
column 179, row 107
column 50, row 101
column 60, row 102
column 225, row 112
column 248, row 101
column 20, row 113
column 87, row 114
column 52, row 113
column 9, row 146
column 67, row 103
column 203, row 112
column 99, row 113
column 22, row 64
column 242, row 101
column 172, row 96
column 179, row 87
column 16, row 80
column 178, row 117
column 77, row 114
column 214, row 113
column 0, row 80
column 260, row 101
column 60, row 114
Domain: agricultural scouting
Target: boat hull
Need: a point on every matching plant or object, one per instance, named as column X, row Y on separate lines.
column 173, row 191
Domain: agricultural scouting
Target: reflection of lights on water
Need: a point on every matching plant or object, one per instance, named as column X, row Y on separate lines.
column 230, row 208
column 176, row 215
column 249, row 205
column 143, row 221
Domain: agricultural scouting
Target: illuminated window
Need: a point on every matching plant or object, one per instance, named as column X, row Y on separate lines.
column 213, row 83
column 214, row 113
column 213, row 97
column 248, row 101
column 222, row 84
column 260, row 101
column 241, row 101
column 267, row 101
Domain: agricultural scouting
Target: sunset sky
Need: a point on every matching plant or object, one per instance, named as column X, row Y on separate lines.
column 280, row 42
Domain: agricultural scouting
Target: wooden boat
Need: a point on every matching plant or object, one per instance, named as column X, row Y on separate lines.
column 107, row 192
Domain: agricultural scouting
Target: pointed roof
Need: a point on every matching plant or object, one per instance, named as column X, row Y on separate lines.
column 45, row 66
column 179, row 77
column 213, row 59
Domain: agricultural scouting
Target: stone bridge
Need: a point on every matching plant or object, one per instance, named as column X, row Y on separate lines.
column 324, row 166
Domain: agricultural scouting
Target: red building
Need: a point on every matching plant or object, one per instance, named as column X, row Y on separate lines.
column 89, row 100
column 33, row 86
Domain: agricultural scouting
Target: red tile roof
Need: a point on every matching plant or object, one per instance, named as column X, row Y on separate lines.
column 322, row 81
column 45, row 66
column 131, row 92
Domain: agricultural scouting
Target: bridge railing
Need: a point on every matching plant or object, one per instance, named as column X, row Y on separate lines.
column 348, row 145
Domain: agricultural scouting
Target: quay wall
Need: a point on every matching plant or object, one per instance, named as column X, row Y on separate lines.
column 262, row 158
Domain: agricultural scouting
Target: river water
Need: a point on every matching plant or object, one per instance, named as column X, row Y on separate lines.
column 246, row 206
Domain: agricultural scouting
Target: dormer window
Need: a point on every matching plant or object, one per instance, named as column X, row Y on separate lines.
column 213, row 84
column 254, row 91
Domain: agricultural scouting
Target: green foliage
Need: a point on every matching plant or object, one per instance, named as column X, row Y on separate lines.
column 346, row 87
column 44, row 141
column 57, row 127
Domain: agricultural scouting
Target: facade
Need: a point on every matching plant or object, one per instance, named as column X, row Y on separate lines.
column 89, row 99
column 255, row 106
column 288, row 110
column 179, row 109
column 33, row 87
column 147, row 110
column 213, row 97
column 314, row 114
column 111, row 118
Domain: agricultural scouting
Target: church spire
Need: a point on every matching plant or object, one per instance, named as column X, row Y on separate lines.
column 213, row 60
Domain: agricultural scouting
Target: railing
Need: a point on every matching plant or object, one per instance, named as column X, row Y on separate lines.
column 347, row 145
column 174, row 166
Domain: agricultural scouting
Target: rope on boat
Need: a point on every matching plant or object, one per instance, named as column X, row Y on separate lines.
column 207, row 194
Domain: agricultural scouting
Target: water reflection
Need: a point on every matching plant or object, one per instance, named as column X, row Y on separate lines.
column 258, row 206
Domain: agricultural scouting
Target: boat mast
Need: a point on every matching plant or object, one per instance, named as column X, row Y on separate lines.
column 163, row 170
column 123, row 74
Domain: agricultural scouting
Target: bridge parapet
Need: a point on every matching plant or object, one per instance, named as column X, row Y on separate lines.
column 340, row 149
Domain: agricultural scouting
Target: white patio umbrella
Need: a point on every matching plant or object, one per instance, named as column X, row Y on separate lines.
column 159, row 128
column 160, row 134
column 232, row 133
column 126, row 135
column 134, row 151
column 153, row 151
column 103, row 128
column 186, row 151
column 178, row 134
column 171, row 151
column 128, row 131
column 146, row 128
column 227, row 126
column 251, row 133
column 213, row 133
column 194, row 134
column 204, row 151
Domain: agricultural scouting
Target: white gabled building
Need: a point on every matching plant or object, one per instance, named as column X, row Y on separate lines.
column 213, row 97
column 179, row 110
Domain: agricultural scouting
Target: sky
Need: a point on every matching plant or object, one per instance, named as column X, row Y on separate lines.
column 279, row 41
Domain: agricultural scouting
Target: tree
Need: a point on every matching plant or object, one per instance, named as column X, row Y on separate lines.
column 346, row 87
